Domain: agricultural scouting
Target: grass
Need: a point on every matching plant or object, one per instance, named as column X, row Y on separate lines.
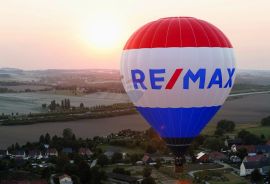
column 232, row 178
column 211, row 127
column 259, row 130
column 133, row 150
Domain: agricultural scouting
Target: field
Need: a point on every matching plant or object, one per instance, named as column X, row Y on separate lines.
column 31, row 102
column 133, row 150
column 246, row 111
column 260, row 130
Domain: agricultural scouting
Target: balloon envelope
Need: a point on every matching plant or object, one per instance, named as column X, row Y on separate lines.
column 178, row 71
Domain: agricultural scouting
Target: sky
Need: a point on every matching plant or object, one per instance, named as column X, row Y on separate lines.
column 68, row 34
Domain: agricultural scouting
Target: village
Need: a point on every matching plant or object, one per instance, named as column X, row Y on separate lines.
column 137, row 157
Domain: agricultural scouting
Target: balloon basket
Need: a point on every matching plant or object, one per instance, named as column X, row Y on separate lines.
column 179, row 164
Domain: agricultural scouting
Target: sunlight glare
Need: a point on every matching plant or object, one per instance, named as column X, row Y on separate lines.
column 103, row 32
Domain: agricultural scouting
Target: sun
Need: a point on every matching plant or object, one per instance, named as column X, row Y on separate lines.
column 102, row 32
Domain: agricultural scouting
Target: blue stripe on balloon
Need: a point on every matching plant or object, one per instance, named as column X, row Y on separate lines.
column 178, row 122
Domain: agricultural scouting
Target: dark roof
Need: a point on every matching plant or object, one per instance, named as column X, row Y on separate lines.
column 3, row 152
column 67, row 150
column 34, row 152
column 257, row 164
column 122, row 177
column 263, row 148
column 235, row 141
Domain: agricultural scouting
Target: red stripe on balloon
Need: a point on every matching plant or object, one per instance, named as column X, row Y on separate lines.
column 174, row 78
column 177, row 32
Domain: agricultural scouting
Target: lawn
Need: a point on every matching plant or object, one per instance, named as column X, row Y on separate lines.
column 211, row 127
column 260, row 130
column 232, row 179
column 106, row 147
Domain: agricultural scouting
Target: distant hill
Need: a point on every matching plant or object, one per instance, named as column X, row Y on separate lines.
column 254, row 77
column 243, row 77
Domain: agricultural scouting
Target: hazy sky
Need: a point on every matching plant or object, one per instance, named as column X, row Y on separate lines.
column 69, row 34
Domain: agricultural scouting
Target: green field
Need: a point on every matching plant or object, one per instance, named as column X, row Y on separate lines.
column 133, row 150
column 233, row 179
column 260, row 130
column 211, row 127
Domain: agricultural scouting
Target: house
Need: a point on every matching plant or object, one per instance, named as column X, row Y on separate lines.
column 230, row 142
column 19, row 154
column 202, row 157
column 235, row 159
column 35, row 154
column 263, row 165
column 85, row 152
column 251, row 149
column 93, row 163
column 265, row 149
column 116, row 178
column 255, row 158
column 217, row 156
column 147, row 159
column 67, row 150
column 65, row 179
column 167, row 160
column 3, row 153
column 109, row 154
column 52, row 152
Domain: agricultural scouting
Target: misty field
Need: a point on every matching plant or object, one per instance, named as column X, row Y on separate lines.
column 31, row 102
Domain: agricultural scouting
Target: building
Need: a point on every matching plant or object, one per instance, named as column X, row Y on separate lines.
column 230, row 142
column 249, row 165
column 52, row 152
column 109, row 154
column 265, row 149
column 3, row 153
column 35, row 154
column 65, row 179
column 19, row 154
column 67, row 150
column 202, row 157
column 147, row 159
column 251, row 149
column 116, row 178
column 255, row 158
column 85, row 152
column 217, row 156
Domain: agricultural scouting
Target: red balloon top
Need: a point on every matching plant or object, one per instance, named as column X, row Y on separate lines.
column 177, row 32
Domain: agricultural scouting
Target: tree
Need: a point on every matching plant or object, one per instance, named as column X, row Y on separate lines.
column 134, row 158
column 150, row 149
column 219, row 132
column 225, row 125
column 97, row 175
column 67, row 133
column 42, row 139
column 117, row 157
column 256, row 176
column 147, row 171
column 242, row 153
column 265, row 121
column 213, row 143
column 102, row 160
column 148, row 180
column 119, row 170
column 249, row 138
column 81, row 105
column 47, row 138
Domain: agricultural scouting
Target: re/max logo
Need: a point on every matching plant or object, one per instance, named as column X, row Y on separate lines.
column 157, row 80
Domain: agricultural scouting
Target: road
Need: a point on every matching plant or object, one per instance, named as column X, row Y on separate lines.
column 249, row 93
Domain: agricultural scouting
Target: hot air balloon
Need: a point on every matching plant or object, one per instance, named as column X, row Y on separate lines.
column 178, row 71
